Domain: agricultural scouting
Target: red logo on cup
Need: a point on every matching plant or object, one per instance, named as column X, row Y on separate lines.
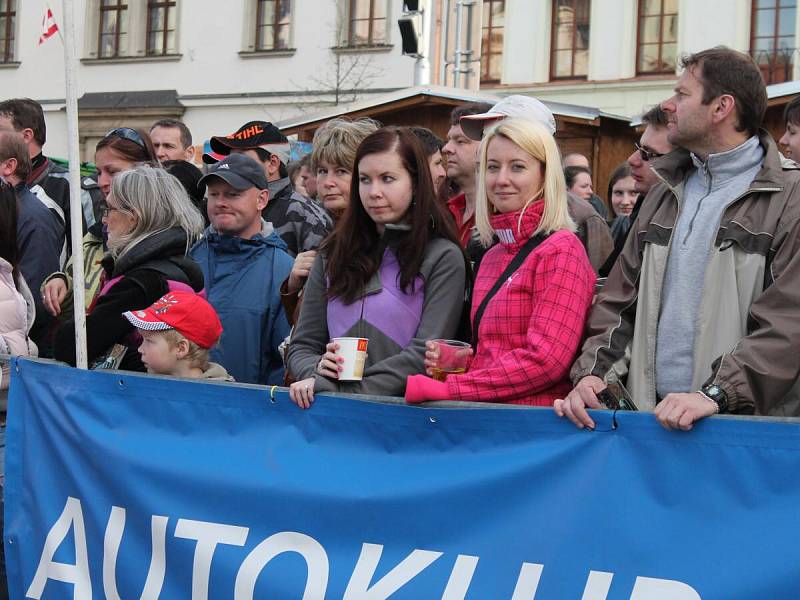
column 362, row 345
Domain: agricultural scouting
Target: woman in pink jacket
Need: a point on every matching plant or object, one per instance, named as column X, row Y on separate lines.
column 528, row 331
column 16, row 301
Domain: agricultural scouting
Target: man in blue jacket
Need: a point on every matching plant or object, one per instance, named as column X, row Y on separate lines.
column 244, row 263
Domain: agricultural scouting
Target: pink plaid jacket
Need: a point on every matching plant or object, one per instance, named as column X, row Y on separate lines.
column 531, row 330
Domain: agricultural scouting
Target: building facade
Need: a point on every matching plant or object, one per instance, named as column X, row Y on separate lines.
column 215, row 64
column 620, row 55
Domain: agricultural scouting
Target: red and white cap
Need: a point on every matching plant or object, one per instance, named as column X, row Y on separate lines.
column 516, row 106
column 187, row 313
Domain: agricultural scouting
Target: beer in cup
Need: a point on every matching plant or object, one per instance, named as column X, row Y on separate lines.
column 453, row 357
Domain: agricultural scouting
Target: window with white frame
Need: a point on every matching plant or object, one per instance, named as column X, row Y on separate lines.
column 113, row 30
column 161, row 21
column 366, row 23
column 8, row 17
column 123, row 29
column 273, row 24
column 773, row 32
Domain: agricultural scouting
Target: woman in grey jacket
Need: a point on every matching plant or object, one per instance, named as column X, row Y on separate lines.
column 392, row 272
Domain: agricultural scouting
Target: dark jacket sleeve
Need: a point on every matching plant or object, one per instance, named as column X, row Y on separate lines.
column 40, row 247
column 311, row 331
column 106, row 326
column 609, row 327
column 291, row 302
column 596, row 237
column 279, row 326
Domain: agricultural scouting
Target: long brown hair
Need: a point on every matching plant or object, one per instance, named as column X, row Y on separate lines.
column 355, row 249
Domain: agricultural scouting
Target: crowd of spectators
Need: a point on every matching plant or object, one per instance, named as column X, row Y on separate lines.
column 678, row 286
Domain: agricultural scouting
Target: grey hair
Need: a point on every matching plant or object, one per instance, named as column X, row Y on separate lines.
column 158, row 201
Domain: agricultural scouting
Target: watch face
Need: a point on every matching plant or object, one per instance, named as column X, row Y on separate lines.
column 713, row 390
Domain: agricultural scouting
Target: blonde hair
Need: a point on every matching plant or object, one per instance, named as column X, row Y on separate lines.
column 337, row 140
column 539, row 143
column 197, row 355
column 158, row 201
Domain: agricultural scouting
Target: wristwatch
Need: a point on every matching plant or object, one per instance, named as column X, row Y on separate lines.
column 714, row 393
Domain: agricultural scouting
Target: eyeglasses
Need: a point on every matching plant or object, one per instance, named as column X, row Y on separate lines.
column 107, row 210
column 127, row 133
column 647, row 155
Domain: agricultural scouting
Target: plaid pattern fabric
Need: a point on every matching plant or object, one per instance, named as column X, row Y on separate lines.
column 532, row 328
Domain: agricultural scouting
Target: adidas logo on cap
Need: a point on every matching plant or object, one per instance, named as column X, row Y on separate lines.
column 224, row 167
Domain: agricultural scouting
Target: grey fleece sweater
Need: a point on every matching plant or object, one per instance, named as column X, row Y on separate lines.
column 388, row 363
column 708, row 191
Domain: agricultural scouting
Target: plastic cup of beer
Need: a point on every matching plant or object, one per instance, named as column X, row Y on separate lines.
column 453, row 357
column 354, row 351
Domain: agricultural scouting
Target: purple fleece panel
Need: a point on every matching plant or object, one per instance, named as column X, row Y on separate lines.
column 391, row 311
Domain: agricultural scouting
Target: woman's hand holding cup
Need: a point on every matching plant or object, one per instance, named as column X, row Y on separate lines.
column 443, row 357
column 432, row 354
column 330, row 364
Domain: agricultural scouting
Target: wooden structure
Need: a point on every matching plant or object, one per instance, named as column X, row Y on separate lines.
column 607, row 140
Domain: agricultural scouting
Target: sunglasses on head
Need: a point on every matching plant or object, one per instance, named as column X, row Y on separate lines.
column 127, row 133
column 647, row 155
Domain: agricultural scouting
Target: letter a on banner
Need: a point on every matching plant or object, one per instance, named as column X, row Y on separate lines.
column 77, row 574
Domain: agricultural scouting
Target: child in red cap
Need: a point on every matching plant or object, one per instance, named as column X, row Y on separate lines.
column 178, row 330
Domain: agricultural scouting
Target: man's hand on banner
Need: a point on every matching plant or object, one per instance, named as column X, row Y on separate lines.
column 681, row 411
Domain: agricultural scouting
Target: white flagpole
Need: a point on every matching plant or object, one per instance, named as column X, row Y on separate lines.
column 73, row 155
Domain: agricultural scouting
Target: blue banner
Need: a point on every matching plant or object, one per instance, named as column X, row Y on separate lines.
column 126, row 486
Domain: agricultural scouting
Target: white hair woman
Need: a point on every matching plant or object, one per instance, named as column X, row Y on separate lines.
column 151, row 224
column 533, row 289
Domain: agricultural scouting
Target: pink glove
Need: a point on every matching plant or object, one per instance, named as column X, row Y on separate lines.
column 420, row 388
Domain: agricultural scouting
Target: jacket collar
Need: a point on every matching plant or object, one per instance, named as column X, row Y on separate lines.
column 277, row 186
column 514, row 232
column 171, row 242
column 723, row 166
column 234, row 244
column 266, row 230
column 675, row 166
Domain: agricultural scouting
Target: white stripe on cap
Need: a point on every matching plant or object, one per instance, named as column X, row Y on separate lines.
column 146, row 325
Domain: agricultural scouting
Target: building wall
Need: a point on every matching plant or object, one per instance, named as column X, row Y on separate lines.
column 219, row 87
column 611, row 84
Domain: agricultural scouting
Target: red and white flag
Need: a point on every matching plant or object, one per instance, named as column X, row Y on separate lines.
column 49, row 27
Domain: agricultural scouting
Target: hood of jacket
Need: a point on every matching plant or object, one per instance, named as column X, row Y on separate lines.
column 216, row 371
column 231, row 244
column 169, row 244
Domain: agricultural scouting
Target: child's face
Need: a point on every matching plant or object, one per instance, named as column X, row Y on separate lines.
column 157, row 354
column 791, row 141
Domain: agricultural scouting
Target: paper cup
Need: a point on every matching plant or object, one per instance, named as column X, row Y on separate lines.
column 354, row 351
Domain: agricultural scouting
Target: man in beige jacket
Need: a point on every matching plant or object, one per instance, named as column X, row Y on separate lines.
column 706, row 292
